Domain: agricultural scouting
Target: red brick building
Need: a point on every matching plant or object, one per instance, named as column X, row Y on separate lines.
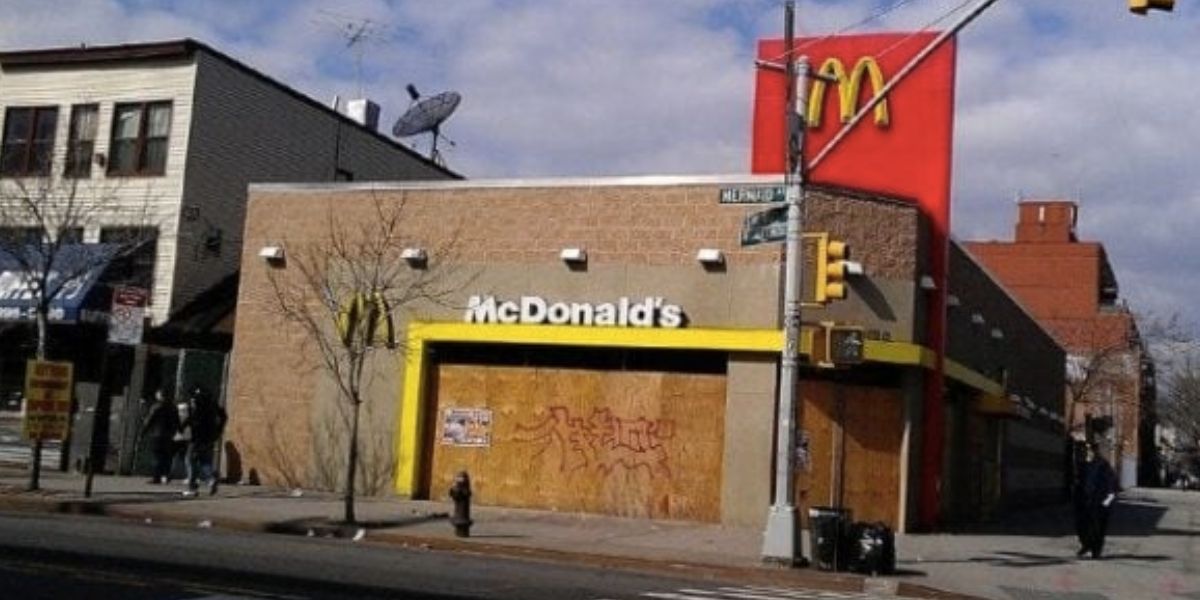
column 1069, row 286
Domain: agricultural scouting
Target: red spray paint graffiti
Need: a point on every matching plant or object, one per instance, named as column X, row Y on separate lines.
column 602, row 442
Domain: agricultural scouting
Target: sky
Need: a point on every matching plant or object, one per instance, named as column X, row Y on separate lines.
column 1072, row 99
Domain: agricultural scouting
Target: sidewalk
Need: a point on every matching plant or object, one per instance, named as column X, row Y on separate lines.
column 1153, row 549
column 694, row 550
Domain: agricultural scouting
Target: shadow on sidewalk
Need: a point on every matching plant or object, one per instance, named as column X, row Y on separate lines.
column 1030, row 559
column 327, row 527
column 1137, row 517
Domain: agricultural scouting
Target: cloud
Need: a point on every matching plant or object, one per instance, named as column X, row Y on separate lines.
column 1078, row 100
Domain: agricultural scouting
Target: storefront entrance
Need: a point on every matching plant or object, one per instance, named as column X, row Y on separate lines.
column 610, row 431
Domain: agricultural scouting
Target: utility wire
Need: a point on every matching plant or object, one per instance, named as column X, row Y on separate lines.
column 874, row 17
column 928, row 26
column 879, row 14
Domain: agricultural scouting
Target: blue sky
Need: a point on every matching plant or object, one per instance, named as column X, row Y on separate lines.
column 1073, row 99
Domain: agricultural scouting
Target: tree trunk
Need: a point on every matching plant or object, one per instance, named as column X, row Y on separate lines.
column 35, row 454
column 352, row 462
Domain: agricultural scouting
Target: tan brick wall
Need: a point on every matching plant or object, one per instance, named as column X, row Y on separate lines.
column 640, row 239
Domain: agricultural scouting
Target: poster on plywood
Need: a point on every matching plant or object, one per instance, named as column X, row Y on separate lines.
column 470, row 427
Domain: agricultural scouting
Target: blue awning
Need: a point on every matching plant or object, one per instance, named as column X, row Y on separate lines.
column 74, row 271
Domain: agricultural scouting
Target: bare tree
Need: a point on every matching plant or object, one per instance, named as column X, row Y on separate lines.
column 1179, row 406
column 42, row 222
column 343, row 289
column 1106, row 362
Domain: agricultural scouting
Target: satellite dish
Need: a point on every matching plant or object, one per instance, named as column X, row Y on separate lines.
column 426, row 115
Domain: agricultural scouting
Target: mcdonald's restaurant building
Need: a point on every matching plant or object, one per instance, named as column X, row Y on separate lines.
column 610, row 346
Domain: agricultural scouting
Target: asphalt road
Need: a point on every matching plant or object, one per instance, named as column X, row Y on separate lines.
column 66, row 558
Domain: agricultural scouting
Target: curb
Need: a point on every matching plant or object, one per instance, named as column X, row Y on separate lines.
column 49, row 503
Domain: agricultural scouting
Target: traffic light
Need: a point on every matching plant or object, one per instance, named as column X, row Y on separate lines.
column 836, row 345
column 845, row 345
column 1141, row 7
column 833, row 265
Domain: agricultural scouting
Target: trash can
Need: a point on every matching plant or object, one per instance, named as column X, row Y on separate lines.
column 827, row 527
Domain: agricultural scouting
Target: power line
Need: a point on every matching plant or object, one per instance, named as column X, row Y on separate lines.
column 872, row 17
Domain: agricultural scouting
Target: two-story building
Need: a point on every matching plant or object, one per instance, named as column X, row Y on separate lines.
column 163, row 139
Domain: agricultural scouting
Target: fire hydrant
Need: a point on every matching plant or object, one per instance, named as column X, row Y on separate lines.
column 460, row 493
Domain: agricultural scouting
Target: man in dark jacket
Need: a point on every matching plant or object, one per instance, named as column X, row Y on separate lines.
column 1096, row 491
column 158, row 429
column 205, row 422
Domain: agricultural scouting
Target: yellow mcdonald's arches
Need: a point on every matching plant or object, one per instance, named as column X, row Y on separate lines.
column 373, row 314
column 848, row 90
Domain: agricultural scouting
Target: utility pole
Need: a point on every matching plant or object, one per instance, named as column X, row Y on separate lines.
column 781, row 540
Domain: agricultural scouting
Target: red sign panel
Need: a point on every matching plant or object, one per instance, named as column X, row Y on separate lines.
column 902, row 149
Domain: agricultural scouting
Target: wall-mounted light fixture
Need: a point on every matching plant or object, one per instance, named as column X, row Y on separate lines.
column 953, row 300
column 710, row 256
column 271, row 254
column 997, row 333
column 927, row 282
column 415, row 257
column 573, row 255
column 977, row 319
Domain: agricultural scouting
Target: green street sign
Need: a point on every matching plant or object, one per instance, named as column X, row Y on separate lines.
column 765, row 226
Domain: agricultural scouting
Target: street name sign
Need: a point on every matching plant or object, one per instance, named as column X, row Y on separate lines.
column 771, row 194
column 765, row 226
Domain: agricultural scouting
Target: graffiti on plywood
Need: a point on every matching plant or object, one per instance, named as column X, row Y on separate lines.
column 601, row 442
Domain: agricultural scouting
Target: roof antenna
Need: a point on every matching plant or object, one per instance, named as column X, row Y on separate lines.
column 356, row 31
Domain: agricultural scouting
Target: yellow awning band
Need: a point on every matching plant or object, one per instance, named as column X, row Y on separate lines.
column 420, row 334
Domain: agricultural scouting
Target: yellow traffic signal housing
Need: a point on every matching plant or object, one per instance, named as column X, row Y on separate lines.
column 1141, row 7
column 832, row 269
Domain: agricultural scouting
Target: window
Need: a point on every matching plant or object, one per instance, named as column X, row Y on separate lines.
column 139, row 246
column 139, row 139
column 81, row 141
column 14, row 237
column 28, row 140
column 71, row 235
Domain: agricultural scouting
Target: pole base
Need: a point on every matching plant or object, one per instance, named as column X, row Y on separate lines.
column 781, row 540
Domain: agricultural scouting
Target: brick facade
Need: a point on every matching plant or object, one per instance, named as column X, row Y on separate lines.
column 1069, row 286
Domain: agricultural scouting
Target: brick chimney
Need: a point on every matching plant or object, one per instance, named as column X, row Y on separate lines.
column 1046, row 221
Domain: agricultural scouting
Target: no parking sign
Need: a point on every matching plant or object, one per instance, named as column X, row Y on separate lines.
column 126, row 320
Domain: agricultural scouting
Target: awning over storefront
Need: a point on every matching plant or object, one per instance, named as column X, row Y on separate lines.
column 75, row 270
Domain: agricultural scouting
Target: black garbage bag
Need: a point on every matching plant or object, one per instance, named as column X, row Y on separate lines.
column 871, row 548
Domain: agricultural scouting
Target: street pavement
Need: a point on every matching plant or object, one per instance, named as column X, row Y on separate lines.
column 15, row 451
column 1152, row 550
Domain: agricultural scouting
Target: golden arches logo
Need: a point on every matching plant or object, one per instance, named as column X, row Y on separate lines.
column 849, row 86
column 366, row 317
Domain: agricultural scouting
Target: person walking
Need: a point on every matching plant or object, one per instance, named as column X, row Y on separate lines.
column 159, row 427
column 1096, row 491
column 204, row 425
